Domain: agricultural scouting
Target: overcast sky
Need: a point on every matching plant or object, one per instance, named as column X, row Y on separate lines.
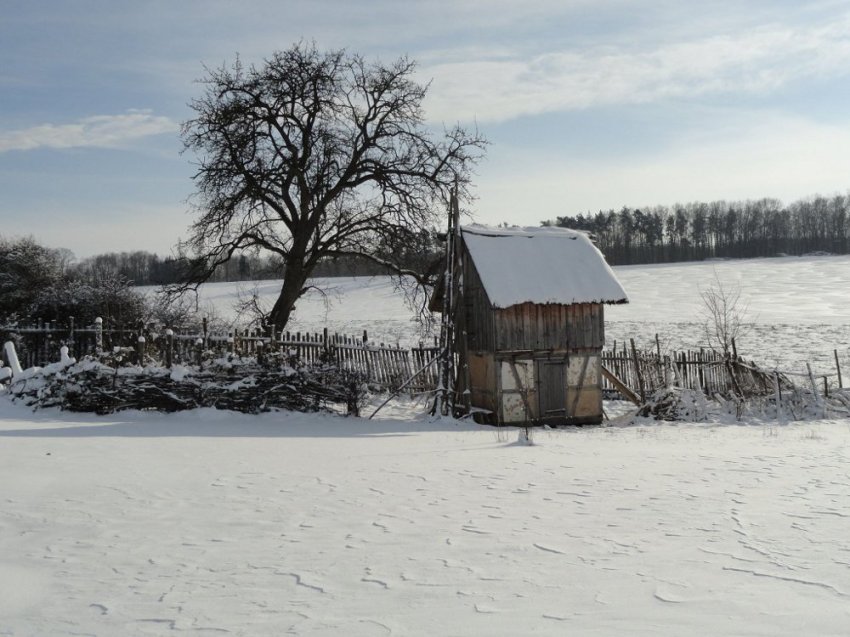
column 588, row 104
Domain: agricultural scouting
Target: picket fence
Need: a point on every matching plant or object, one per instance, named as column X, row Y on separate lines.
column 707, row 371
column 382, row 365
column 386, row 366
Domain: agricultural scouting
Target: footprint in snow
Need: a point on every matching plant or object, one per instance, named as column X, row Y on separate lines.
column 548, row 549
column 662, row 594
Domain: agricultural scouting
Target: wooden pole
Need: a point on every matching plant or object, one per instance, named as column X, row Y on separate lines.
column 444, row 398
column 620, row 385
column 169, row 348
column 98, row 335
column 838, row 368
column 735, row 385
column 815, row 389
column 638, row 371
column 140, row 350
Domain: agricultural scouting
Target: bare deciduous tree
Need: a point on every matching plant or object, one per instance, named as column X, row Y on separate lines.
column 317, row 155
column 724, row 315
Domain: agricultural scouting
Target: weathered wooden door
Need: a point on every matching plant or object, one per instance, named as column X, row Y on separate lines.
column 568, row 389
column 552, row 388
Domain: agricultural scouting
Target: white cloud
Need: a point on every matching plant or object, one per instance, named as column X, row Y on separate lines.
column 101, row 131
column 756, row 61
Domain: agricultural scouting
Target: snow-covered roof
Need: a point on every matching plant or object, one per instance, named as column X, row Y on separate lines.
column 541, row 265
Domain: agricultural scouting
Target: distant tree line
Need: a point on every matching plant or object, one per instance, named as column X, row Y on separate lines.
column 42, row 284
column 145, row 268
column 720, row 229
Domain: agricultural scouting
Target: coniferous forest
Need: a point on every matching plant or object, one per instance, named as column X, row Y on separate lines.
column 720, row 229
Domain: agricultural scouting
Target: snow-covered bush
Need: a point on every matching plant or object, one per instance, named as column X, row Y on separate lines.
column 106, row 296
column 26, row 269
column 112, row 384
column 796, row 404
column 38, row 283
column 674, row 403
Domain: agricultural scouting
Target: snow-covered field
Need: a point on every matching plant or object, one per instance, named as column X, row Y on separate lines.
column 212, row 523
column 799, row 307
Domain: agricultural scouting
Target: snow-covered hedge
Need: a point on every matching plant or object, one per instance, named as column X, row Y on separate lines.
column 240, row 384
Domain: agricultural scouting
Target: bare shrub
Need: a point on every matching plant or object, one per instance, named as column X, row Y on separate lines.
column 723, row 315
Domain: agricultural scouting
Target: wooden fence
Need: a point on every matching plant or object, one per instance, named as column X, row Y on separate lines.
column 39, row 344
column 707, row 371
column 382, row 365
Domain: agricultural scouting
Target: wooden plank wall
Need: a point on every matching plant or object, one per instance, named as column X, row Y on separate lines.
column 479, row 315
column 528, row 326
column 534, row 326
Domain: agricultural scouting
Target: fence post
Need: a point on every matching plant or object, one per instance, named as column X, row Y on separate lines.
column 12, row 359
column 638, row 372
column 838, row 368
column 736, row 386
column 169, row 347
column 140, row 350
column 325, row 343
column 38, row 354
column 205, row 325
column 260, row 352
column 818, row 401
column 199, row 352
column 98, row 335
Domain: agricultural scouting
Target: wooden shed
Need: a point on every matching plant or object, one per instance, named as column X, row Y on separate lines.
column 528, row 323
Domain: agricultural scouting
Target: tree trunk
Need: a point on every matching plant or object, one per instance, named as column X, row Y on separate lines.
column 294, row 278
